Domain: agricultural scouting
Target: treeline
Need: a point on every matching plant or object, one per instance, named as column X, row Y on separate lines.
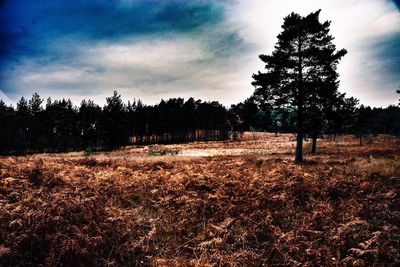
column 58, row 126
column 344, row 116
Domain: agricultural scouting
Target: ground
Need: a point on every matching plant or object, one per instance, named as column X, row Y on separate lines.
column 242, row 203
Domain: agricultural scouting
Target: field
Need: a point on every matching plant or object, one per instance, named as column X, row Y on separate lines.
column 242, row 203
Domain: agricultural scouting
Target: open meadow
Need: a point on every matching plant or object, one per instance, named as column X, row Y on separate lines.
column 233, row 203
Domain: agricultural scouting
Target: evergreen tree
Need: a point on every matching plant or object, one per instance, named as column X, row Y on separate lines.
column 88, row 122
column 23, row 124
column 35, row 104
column 362, row 122
column 8, row 128
column 252, row 115
column 114, row 122
column 342, row 117
column 61, row 122
column 37, row 138
column 301, row 72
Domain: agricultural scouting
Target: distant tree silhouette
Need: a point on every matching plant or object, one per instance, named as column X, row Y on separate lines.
column 24, row 126
column 398, row 91
column 114, row 121
column 89, row 122
column 341, row 117
column 301, row 72
column 35, row 104
column 362, row 122
column 190, row 118
column 61, row 122
column 252, row 115
column 8, row 126
column 37, row 139
column 330, row 116
column 389, row 123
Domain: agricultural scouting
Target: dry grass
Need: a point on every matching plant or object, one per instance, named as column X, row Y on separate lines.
column 379, row 168
column 247, row 205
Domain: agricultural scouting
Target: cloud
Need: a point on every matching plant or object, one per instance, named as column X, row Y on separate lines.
column 5, row 98
column 397, row 3
column 178, row 49
column 160, row 49
column 371, row 71
column 31, row 27
column 147, row 68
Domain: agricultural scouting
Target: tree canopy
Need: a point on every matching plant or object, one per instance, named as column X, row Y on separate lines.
column 301, row 71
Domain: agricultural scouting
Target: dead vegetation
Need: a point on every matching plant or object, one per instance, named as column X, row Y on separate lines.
column 341, row 208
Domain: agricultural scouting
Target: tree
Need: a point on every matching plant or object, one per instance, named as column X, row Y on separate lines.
column 24, row 127
column 62, row 122
column 398, row 91
column 114, row 122
column 8, row 128
column 37, row 138
column 301, row 71
column 252, row 115
column 362, row 122
column 35, row 104
column 341, row 117
column 88, row 123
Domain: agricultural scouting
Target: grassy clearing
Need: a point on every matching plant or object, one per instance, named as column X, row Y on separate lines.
column 132, row 208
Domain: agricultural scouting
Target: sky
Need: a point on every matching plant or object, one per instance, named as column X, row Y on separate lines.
column 153, row 50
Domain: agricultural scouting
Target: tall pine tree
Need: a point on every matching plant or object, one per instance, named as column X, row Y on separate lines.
column 301, row 71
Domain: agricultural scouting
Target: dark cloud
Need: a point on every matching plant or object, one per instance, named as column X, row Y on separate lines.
column 388, row 52
column 184, row 17
column 31, row 27
column 48, row 34
column 397, row 3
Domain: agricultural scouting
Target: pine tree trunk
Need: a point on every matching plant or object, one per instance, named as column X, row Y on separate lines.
column 314, row 144
column 299, row 143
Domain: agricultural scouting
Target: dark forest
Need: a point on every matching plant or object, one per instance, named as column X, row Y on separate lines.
column 59, row 126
